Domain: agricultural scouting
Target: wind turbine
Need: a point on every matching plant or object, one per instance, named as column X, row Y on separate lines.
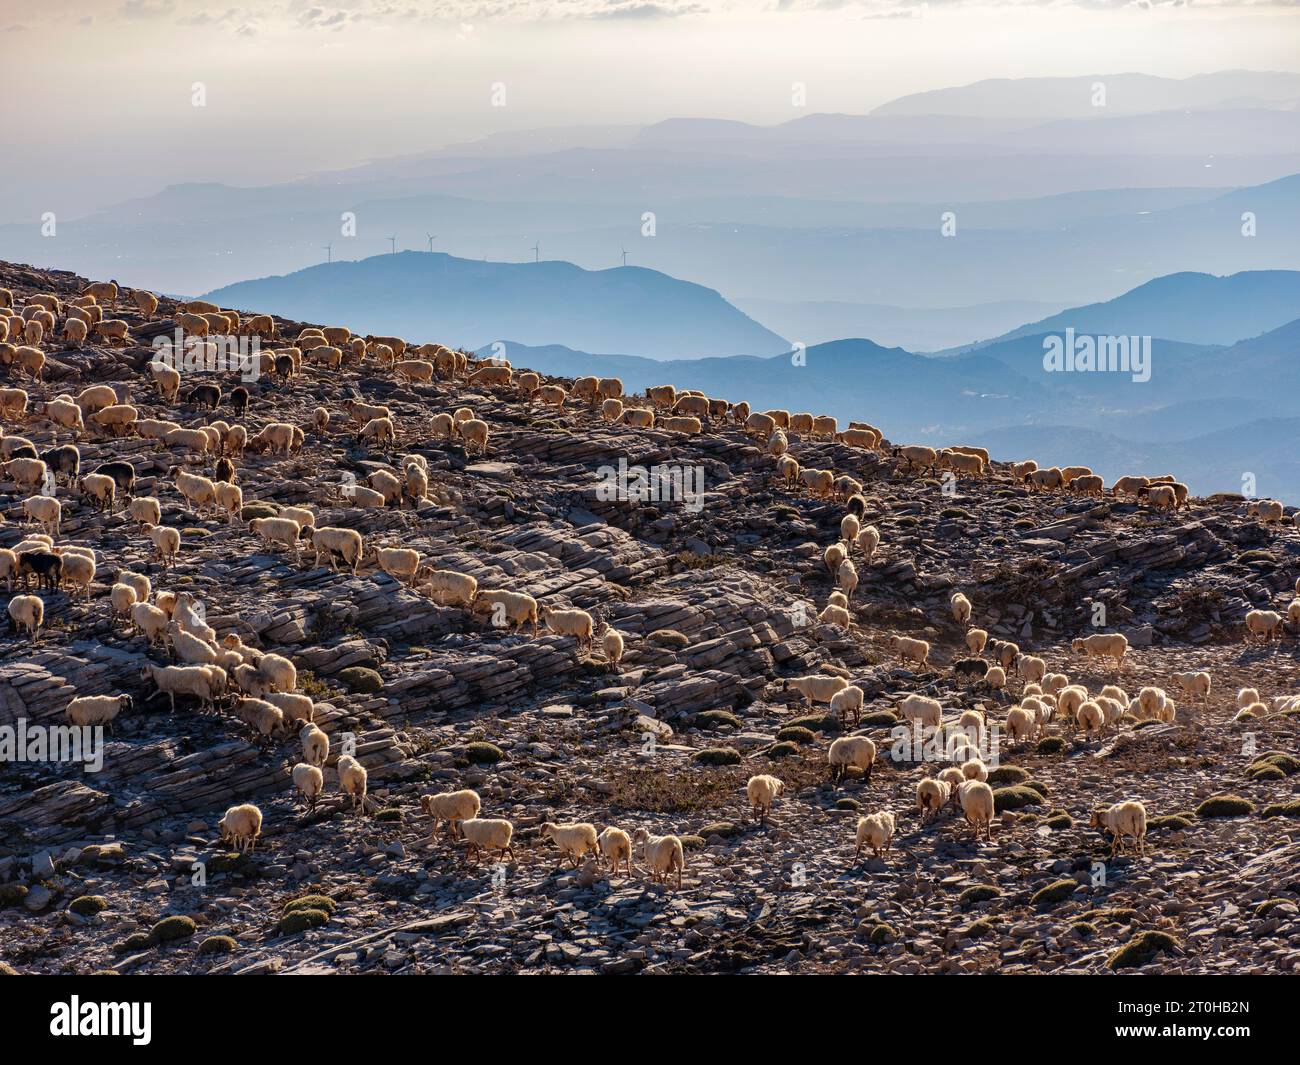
column 537, row 252
column 329, row 253
column 624, row 255
column 393, row 241
column 432, row 238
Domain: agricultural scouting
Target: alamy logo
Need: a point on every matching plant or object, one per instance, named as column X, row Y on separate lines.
column 79, row 1018
column 215, row 354
column 22, row 742
column 1082, row 354
column 659, row 484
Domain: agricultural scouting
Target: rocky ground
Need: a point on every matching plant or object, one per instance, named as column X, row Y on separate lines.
column 544, row 731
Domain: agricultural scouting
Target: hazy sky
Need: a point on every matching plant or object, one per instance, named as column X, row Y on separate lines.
column 101, row 89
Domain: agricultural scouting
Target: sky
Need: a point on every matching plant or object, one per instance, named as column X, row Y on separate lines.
column 100, row 93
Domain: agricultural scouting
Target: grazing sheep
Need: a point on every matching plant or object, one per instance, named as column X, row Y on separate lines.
column 762, row 790
column 241, row 826
column 918, row 456
column 1021, row 724
column 87, row 710
column 875, row 831
column 833, row 557
column 1031, row 669
column 151, row 621
column 262, row 717
column 573, row 840
column 451, row 807
column 910, row 650
column 295, row 707
column 921, row 708
column 932, row 796
column 205, row 683
column 970, row 669
column 846, row 576
column 848, row 702
column 100, row 490
column 615, row 847
column 977, row 804
column 662, row 855
column 1262, row 623
column 352, row 778
column 1090, row 718
column 868, row 540
column 1267, row 510
column 344, row 543
column 1247, row 697
column 45, row 511
column 400, row 563
column 447, row 587
column 276, row 531
column 612, row 644
column 976, row 640
column 816, row 689
column 487, row 834
column 1123, row 820
column 576, row 623
column 166, row 541
column 310, row 782
column 474, row 431
column 26, row 612
column 315, row 744
column 961, row 608
column 859, row 751
column 1196, row 685
column 1102, row 645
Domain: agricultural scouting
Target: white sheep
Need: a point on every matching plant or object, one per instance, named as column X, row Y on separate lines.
column 26, row 612
column 166, row 542
column 858, row 751
column 487, row 834
column 615, row 847
column 309, row 781
column 961, row 608
column 1123, row 820
column 451, row 807
column 352, row 780
column 761, row 791
column 1195, row 684
column 910, row 650
column 817, row 689
column 932, row 796
column 89, row 710
column 241, row 826
column 923, row 709
column 662, row 855
column 875, row 831
column 315, row 744
column 205, row 683
column 573, row 840
column 1102, row 645
column 977, row 804
column 848, row 702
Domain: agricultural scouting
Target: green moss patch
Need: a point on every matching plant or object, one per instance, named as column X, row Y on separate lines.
column 1055, row 892
column 1015, row 797
column 1142, row 948
column 1225, row 806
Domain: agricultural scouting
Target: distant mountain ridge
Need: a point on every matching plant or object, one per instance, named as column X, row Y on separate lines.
column 1193, row 308
column 469, row 303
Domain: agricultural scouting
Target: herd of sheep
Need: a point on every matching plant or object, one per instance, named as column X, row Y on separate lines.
column 260, row 690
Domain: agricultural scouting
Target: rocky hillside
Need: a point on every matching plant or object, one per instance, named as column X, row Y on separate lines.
column 122, row 868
